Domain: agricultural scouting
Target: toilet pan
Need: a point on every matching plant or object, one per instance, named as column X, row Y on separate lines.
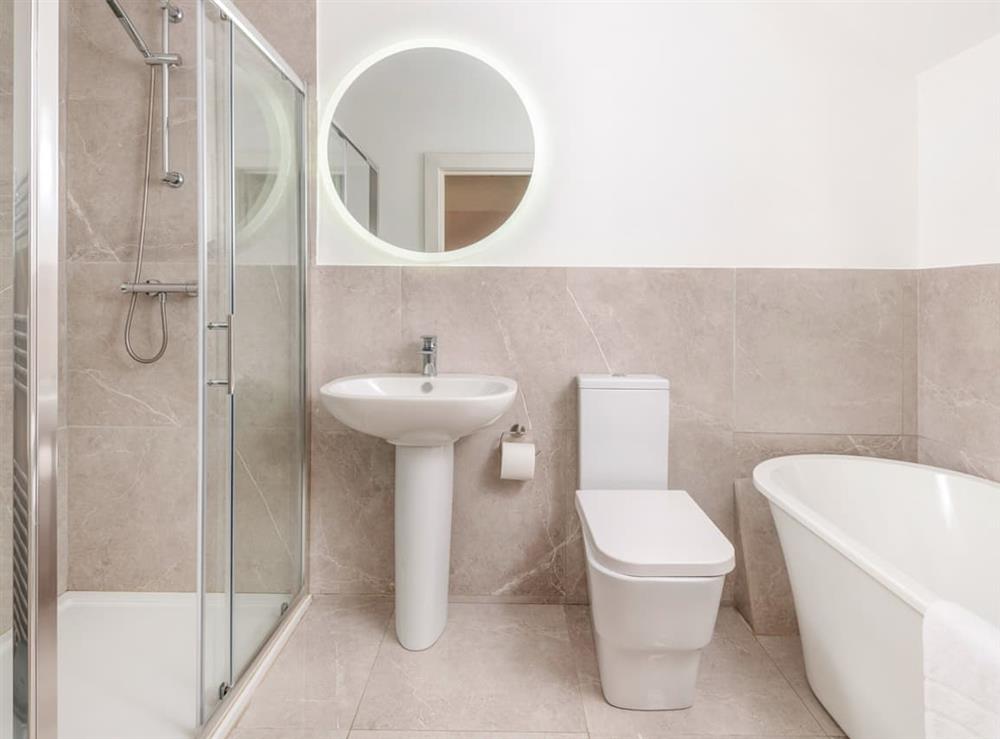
column 656, row 565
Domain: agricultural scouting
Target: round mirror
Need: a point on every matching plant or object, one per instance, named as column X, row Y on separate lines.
column 430, row 149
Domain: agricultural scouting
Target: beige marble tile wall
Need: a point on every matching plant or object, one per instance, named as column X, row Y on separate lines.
column 62, row 433
column 762, row 362
column 131, row 429
column 761, row 588
column 954, row 371
column 130, row 451
column 267, row 464
column 959, row 369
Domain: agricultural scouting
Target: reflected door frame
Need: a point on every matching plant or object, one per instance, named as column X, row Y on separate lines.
column 438, row 165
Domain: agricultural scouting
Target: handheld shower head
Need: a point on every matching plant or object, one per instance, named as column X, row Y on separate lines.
column 129, row 27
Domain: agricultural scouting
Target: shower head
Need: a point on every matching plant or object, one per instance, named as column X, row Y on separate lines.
column 130, row 28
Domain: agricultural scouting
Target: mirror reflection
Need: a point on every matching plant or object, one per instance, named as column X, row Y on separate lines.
column 431, row 149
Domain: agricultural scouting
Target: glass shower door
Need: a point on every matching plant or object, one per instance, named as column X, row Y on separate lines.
column 268, row 305
column 254, row 401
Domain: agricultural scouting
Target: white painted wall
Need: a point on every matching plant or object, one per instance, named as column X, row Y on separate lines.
column 674, row 134
column 959, row 155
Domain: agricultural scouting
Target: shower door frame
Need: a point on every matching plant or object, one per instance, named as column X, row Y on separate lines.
column 293, row 612
column 43, row 367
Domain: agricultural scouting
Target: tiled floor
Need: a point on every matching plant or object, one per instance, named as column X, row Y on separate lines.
column 511, row 672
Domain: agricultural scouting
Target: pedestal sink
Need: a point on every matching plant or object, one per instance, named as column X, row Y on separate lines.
column 423, row 417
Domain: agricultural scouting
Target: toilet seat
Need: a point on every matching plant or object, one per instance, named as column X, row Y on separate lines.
column 652, row 533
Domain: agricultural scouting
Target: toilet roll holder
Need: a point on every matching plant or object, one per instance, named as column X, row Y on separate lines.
column 517, row 431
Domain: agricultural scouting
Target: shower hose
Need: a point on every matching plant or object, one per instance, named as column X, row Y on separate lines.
column 142, row 243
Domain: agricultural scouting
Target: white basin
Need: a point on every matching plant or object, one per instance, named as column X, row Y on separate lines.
column 423, row 417
column 413, row 410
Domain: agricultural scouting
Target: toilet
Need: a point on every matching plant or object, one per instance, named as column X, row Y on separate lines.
column 655, row 562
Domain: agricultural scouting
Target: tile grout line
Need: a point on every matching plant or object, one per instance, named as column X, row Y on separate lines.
column 504, row 732
column 822, row 731
column 371, row 671
column 576, row 669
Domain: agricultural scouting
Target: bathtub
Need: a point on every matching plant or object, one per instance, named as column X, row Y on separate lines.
column 869, row 545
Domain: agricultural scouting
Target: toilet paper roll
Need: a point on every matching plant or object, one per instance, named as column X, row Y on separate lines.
column 517, row 460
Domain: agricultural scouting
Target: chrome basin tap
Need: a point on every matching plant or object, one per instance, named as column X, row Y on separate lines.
column 428, row 356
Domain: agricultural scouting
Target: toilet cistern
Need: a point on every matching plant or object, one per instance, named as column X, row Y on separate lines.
column 429, row 356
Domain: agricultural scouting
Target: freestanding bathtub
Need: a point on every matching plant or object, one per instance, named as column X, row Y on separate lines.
column 869, row 545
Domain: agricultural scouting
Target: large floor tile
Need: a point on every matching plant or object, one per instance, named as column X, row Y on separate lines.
column 740, row 691
column 319, row 677
column 460, row 735
column 495, row 668
column 786, row 651
column 657, row 735
column 288, row 733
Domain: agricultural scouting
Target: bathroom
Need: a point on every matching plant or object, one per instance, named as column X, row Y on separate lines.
column 495, row 370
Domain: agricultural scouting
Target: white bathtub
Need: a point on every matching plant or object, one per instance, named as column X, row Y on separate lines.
column 869, row 544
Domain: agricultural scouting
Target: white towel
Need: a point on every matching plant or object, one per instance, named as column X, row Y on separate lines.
column 961, row 674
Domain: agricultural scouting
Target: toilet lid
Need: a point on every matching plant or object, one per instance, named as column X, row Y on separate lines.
column 652, row 533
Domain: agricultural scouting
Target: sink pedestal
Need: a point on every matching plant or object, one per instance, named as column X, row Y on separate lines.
column 424, row 484
column 422, row 416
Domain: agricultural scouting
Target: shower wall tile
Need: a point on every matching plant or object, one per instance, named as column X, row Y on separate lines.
column 959, row 353
column 543, row 326
column 131, row 459
column 104, row 64
column 131, row 509
column 108, row 92
column 819, row 351
column 106, row 386
column 287, row 25
column 267, row 519
column 105, row 158
column 268, row 362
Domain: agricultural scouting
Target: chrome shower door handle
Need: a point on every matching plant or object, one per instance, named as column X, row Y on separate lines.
column 230, row 381
column 231, row 355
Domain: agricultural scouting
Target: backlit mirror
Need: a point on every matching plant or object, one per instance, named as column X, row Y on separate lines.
column 430, row 149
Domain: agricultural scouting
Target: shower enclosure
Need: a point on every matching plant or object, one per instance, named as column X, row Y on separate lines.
column 151, row 514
